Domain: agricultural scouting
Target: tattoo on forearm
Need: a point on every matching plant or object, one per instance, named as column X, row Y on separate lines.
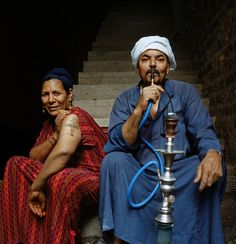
column 73, row 125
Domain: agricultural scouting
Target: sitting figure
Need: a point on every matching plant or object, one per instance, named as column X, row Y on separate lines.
column 200, row 171
column 43, row 196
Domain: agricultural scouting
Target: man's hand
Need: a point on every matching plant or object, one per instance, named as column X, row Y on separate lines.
column 152, row 92
column 209, row 170
column 37, row 202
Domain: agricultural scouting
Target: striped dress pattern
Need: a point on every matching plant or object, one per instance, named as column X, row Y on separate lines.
column 70, row 192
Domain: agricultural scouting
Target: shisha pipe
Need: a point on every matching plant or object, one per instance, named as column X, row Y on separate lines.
column 152, row 76
column 164, row 219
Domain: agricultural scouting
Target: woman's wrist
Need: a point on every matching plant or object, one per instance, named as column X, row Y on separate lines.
column 52, row 139
column 38, row 184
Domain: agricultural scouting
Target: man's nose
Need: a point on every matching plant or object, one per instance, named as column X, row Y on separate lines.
column 153, row 63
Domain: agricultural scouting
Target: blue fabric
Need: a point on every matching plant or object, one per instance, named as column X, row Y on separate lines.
column 60, row 74
column 196, row 215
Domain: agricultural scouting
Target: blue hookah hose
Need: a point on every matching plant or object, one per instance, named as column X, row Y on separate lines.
column 159, row 164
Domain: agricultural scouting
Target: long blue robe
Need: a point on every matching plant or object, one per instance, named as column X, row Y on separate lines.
column 197, row 216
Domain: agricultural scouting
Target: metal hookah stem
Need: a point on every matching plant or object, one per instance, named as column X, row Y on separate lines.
column 152, row 77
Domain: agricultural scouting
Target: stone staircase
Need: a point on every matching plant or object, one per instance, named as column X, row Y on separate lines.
column 108, row 70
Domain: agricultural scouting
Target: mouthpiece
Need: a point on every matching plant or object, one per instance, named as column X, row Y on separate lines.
column 152, row 77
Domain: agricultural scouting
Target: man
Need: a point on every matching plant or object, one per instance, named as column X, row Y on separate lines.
column 199, row 172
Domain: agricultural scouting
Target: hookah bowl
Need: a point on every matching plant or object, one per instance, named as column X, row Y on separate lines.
column 164, row 219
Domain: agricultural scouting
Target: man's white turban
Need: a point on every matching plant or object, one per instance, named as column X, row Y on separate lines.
column 153, row 42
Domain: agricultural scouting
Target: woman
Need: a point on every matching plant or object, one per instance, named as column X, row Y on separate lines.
column 43, row 195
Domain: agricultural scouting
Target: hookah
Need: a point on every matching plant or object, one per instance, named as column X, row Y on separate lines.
column 164, row 219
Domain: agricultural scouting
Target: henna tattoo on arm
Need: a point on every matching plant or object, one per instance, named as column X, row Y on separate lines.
column 73, row 125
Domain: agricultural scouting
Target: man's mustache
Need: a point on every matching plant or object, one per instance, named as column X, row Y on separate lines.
column 155, row 71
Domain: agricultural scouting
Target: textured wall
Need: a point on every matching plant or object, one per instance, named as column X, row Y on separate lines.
column 211, row 36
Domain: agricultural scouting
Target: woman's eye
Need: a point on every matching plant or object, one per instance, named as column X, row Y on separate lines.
column 56, row 93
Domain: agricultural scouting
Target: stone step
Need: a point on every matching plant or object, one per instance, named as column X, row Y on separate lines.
column 131, row 80
column 130, row 77
column 107, row 34
column 132, row 74
column 137, row 10
column 97, row 92
column 123, row 44
column 101, row 109
column 141, row 4
column 91, row 228
column 103, row 91
column 124, row 55
column 124, row 65
column 152, row 26
column 119, row 17
column 96, row 108
column 116, row 18
column 107, row 78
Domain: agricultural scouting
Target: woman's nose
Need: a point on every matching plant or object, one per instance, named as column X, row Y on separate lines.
column 51, row 98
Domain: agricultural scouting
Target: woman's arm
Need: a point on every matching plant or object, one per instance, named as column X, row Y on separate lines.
column 41, row 151
column 68, row 140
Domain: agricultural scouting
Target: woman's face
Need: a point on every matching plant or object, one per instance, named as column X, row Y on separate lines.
column 153, row 60
column 54, row 97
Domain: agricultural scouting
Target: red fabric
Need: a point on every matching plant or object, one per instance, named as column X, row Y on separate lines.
column 69, row 191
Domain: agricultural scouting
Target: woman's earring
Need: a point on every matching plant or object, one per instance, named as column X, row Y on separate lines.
column 43, row 110
column 70, row 104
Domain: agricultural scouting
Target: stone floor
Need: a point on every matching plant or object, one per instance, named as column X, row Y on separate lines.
column 229, row 217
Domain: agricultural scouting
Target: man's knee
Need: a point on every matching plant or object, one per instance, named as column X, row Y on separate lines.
column 114, row 160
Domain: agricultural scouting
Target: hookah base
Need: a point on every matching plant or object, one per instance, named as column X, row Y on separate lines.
column 164, row 233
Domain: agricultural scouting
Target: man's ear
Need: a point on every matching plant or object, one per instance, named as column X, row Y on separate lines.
column 168, row 69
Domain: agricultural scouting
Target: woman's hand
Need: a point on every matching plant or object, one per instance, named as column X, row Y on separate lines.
column 37, row 203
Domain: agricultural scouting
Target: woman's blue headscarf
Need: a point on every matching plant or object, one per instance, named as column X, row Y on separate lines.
column 60, row 74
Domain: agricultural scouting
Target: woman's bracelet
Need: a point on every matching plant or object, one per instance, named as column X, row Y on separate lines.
column 52, row 140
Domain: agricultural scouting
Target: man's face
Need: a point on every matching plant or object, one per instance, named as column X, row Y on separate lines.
column 153, row 60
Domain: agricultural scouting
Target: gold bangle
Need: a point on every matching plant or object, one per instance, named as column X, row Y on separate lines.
column 52, row 140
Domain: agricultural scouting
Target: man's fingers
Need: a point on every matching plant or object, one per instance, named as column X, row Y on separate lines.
column 198, row 174
column 203, row 185
column 211, row 179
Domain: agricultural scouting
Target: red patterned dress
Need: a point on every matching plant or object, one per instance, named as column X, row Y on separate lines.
column 69, row 192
